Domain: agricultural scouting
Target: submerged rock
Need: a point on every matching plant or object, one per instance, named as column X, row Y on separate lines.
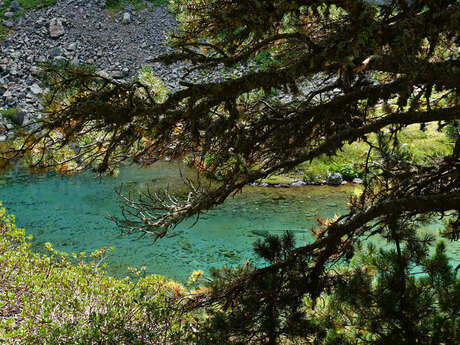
column 261, row 233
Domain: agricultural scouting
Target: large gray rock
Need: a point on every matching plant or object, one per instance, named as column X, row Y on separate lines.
column 56, row 28
column 19, row 118
column 334, row 179
column 36, row 89
column 72, row 46
column 298, row 183
column 126, row 18
column 15, row 6
column 56, row 51
column 117, row 74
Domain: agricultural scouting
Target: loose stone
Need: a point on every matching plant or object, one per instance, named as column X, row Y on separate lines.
column 35, row 89
column 56, row 28
column 126, row 18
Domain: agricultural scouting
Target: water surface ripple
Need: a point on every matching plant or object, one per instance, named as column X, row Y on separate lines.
column 71, row 213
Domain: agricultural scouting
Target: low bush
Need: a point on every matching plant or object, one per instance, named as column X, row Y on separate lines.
column 62, row 299
column 9, row 114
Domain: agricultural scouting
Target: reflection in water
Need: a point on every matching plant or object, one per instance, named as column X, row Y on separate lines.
column 71, row 213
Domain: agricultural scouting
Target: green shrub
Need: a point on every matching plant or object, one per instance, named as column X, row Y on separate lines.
column 10, row 113
column 61, row 299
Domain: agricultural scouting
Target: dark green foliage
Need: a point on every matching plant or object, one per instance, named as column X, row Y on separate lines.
column 399, row 299
column 400, row 295
column 273, row 302
column 452, row 130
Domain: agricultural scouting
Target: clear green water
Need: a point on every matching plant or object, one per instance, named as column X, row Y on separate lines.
column 71, row 213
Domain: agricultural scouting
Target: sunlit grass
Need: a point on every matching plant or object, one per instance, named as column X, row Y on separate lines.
column 421, row 144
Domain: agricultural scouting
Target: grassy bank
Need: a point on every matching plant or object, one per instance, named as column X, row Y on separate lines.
column 416, row 143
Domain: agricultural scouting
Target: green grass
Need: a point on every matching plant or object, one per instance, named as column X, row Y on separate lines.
column 10, row 113
column 118, row 5
column 419, row 144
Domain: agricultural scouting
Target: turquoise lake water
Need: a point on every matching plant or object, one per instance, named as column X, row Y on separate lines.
column 71, row 213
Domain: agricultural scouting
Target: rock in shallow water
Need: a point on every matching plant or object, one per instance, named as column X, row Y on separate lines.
column 334, row 179
column 298, row 183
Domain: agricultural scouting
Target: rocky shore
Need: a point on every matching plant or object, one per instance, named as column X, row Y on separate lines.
column 333, row 179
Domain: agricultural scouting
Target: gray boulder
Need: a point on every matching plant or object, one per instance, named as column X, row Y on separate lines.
column 36, row 89
column 298, row 183
column 56, row 28
column 126, row 18
column 19, row 118
column 72, row 46
column 334, row 179
column 53, row 52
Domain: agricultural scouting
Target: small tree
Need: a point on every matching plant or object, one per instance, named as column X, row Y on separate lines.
column 354, row 71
